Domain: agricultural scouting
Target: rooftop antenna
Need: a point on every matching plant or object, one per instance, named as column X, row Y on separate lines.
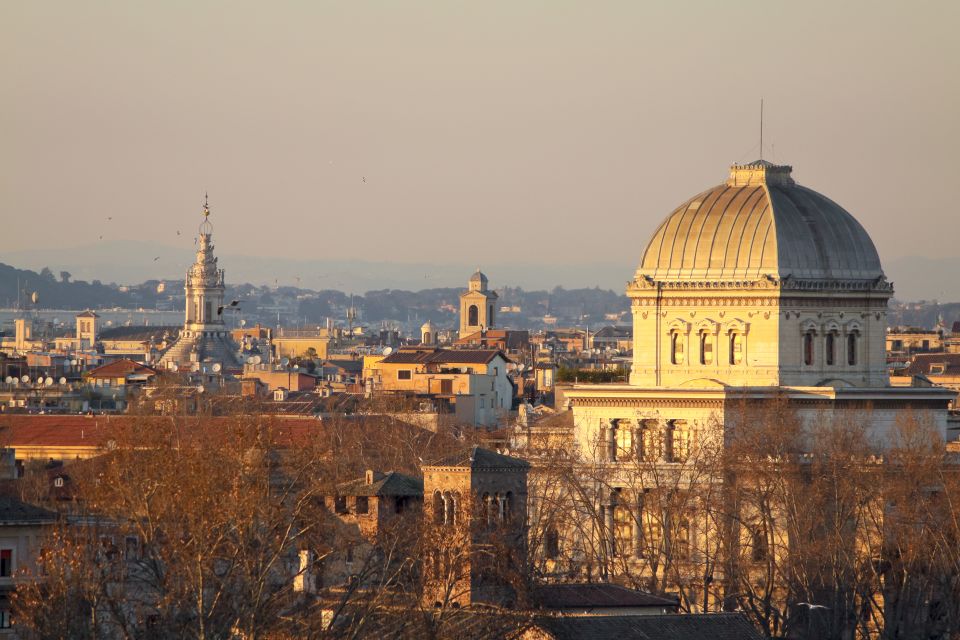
column 761, row 128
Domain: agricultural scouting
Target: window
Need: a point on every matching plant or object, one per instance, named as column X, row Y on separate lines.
column 676, row 348
column 852, row 349
column 4, row 619
column 681, row 540
column 624, row 442
column 808, row 348
column 404, row 374
column 648, row 446
column 340, row 504
column 58, row 481
column 349, row 558
column 759, row 548
column 736, row 348
column 551, row 543
column 706, row 348
column 938, row 369
column 490, row 316
column 363, row 504
column 622, row 525
column 831, row 348
column 132, row 547
column 439, row 515
column 400, row 504
column 669, row 436
column 6, row 563
column 473, row 316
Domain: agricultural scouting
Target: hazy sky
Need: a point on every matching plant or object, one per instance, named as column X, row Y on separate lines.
column 487, row 132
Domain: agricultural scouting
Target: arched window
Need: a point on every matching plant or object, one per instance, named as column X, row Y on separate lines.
column 831, row 347
column 736, row 348
column 438, row 508
column 473, row 316
column 648, row 441
column 676, row 348
column 706, row 348
column 487, row 503
column 490, row 316
column 808, row 348
column 852, row 348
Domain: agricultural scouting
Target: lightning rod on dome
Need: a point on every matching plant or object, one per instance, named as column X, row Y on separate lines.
column 761, row 128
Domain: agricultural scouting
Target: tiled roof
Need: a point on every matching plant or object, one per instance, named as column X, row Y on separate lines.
column 24, row 430
column 924, row 364
column 443, row 356
column 384, row 484
column 478, row 458
column 87, row 314
column 692, row 626
column 588, row 596
column 120, row 368
column 13, row 511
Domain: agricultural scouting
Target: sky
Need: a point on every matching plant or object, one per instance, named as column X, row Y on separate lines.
column 446, row 132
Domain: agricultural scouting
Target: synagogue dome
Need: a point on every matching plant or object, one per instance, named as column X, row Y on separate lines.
column 759, row 223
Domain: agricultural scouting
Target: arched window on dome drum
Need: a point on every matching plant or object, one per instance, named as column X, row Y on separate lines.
column 736, row 348
column 852, row 348
column 473, row 316
column 676, row 348
column 808, row 348
column 831, row 347
column 706, row 348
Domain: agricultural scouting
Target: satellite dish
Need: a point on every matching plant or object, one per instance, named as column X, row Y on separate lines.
column 284, row 361
column 257, row 359
column 249, row 359
column 35, row 297
column 9, row 379
column 243, row 322
column 25, row 379
column 73, row 363
column 217, row 367
column 387, row 351
column 63, row 380
column 48, row 381
column 161, row 287
column 200, row 389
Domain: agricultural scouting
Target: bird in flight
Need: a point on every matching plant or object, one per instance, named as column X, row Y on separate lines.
column 109, row 217
column 364, row 179
column 101, row 237
column 178, row 232
column 157, row 258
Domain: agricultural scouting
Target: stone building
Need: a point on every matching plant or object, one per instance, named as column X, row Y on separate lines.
column 755, row 290
column 477, row 501
column 477, row 306
column 204, row 337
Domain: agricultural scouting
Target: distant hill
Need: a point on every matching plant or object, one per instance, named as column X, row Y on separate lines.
column 56, row 291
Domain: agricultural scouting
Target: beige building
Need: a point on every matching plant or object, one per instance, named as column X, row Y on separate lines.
column 758, row 288
column 477, row 306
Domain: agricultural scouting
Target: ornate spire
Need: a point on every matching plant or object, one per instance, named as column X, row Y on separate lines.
column 205, row 227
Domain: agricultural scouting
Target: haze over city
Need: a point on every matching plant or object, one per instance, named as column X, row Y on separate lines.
column 519, row 136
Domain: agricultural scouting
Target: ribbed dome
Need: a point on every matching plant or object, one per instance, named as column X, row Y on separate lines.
column 760, row 222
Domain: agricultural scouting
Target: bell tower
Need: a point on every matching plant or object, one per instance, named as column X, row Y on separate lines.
column 476, row 306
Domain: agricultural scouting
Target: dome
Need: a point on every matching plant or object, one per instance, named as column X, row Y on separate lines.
column 760, row 222
column 478, row 276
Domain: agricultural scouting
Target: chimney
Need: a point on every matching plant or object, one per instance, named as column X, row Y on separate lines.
column 369, row 476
